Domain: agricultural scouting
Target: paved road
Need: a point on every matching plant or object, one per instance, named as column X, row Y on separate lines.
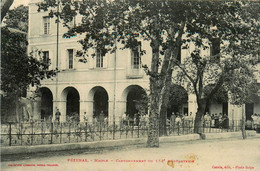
column 234, row 154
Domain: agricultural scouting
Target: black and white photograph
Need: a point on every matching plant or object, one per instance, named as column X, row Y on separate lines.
column 140, row 85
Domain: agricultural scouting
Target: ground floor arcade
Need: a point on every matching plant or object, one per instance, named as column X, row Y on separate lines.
column 81, row 102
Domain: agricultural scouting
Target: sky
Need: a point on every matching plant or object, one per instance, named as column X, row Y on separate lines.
column 20, row 2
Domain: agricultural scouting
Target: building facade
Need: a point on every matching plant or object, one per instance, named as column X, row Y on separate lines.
column 111, row 84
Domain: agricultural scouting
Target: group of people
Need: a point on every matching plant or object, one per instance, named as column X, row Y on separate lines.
column 137, row 120
column 214, row 120
column 255, row 118
column 209, row 120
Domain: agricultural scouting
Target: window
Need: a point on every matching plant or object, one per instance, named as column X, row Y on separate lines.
column 136, row 56
column 70, row 54
column 46, row 25
column 46, row 58
column 99, row 59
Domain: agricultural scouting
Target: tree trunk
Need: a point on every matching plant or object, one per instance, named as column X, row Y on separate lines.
column 153, row 129
column 165, row 83
column 153, row 126
column 243, row 123
column 5, row 5
column 198, row 125
column 163, row 120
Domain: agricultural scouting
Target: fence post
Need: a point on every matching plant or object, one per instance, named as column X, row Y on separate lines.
column 21, row 133
column 69, row 131
column 32, row 133
column 114, row 129
column 86, row 130
column 203, row 126
column 138, row 131
column 51, row 131
column 60, row 132
column 210, row 126
column 132, row 131
column 100, row 131
column 10, row 133
column 42, row 131
column 178, row 128
column 120, row 127
column 233, row 125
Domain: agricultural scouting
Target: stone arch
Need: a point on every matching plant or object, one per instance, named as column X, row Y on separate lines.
column 135, row 97
column 71, row 97
column 219, row 101
column 98, row 95
column 178, row 100
column 46, row 103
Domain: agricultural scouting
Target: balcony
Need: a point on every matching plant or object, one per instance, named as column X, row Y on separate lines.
column 134, row 73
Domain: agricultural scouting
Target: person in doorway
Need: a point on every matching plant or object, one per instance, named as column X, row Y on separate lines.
column 207, row 120
column 254, row 121
column 216, row 120
column 225, row 121
column 172, row 120
column 124, row 120
column 57, row 115
column 101, row 117
column 178, row 120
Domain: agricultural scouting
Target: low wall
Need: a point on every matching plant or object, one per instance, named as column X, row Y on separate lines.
column 227, row 135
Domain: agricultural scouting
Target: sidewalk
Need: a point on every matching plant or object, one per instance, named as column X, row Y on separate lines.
column 117, row 143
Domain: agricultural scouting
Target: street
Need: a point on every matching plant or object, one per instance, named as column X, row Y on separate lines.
column 234, row 154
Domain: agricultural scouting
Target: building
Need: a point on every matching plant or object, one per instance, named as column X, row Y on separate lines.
column 112, row 83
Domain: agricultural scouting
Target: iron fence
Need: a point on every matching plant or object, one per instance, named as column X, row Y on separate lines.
column 36, row 133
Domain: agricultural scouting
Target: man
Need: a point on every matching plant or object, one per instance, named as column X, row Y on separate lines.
column 207, row 120
column 124, row 120
column 57, row 115
column 225, row 121
column 101, row 117
column 172, row 120
column 254, row 119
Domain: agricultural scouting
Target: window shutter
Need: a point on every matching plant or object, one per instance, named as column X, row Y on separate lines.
column 105, row 58
column 63, row 60
column 51, row 60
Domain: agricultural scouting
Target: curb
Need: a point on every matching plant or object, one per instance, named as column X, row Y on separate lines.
column 115, row 143
column 211, row 136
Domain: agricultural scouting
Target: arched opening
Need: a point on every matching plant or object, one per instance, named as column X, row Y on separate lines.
column 100, row 102
column 249, row 110
column 46, row 103
column 136, row 101
column 72, row 103
column 218, row 104
column 178, row 101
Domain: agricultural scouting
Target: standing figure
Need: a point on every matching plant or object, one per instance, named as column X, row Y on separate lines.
column 101, row 117
column 57, row 115
column 172, row 120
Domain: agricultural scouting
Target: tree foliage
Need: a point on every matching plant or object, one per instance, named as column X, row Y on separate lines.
column 18, row 70
column 17, row 18
column 5, row 5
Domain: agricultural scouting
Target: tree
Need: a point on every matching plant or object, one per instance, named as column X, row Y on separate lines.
column 230, row 67
column 18, row 70
column 5, row 5
column 169, row 26
column 17, row 18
